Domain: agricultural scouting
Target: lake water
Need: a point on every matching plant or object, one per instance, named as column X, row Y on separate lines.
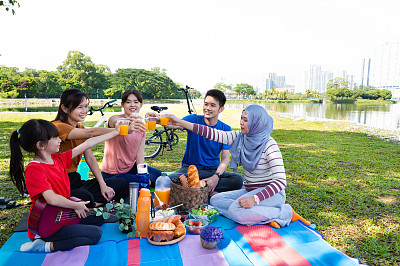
column 380, row 116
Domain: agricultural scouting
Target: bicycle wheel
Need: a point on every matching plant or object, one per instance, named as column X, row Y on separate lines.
column 153, row 145
column 172, row 139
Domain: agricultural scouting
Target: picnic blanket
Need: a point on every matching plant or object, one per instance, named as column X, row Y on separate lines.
column 296, row 244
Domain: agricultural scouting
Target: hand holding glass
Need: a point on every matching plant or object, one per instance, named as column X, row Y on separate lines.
column 152, row 123
column 164, row 121
column 124, row 126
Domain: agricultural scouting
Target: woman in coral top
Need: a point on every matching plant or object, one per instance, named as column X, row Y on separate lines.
column 124, row 154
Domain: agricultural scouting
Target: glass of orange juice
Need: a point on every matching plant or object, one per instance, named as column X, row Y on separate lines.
column 164, row 121
column 124, row 126
column 152, row 123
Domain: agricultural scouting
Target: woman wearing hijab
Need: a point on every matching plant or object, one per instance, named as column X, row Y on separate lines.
column 262, row 199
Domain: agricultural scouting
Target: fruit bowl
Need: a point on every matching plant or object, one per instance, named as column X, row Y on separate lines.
column 193, row 227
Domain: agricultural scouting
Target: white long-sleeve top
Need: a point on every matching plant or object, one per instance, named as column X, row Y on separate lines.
column 270, row 171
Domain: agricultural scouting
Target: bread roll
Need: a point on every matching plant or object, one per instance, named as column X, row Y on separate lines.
column 159, row 236
column 202, row 183
column 161, row 226
column 184, row 181
column 180, row 229
column 174, row 219
column 193, row 175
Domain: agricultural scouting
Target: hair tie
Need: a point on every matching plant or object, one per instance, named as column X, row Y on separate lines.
column 17, row 131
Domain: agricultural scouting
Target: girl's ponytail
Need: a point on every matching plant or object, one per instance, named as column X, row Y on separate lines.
column 16, row 163
column 26, row 137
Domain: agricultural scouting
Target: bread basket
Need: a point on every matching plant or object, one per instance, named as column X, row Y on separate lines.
column 189, row 197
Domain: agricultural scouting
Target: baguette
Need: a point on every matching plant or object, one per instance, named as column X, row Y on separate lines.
column 193, row 175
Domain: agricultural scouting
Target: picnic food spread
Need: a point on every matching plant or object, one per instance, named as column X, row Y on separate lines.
column 166, row 229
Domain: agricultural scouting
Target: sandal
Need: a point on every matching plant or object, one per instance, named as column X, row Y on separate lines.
column 10, row 205
column 4, row 200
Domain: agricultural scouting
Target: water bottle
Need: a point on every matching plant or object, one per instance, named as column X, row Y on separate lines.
column 143, row 176
column 83, row 169
column 143, row 212
column 162, row 189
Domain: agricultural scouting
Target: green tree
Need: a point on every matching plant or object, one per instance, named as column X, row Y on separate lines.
column 151, row 84
column 337, row 83
column 9, row 77
column 338, row 90
column 385, row 94
column 364, row 88
column 9, row 5
column 219, row 86
column 78, row 71
column 244, row 89
column 49, row 85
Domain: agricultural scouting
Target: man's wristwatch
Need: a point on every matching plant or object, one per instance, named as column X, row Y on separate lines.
column 218, row 174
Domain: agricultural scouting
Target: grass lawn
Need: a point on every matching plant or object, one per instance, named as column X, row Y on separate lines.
column 339, row 177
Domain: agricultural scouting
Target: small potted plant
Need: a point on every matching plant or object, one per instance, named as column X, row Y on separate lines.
column 210, row 236
column 126, row 217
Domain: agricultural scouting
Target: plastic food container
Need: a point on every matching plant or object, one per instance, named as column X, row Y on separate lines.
column 194, row 229
column 209, row 219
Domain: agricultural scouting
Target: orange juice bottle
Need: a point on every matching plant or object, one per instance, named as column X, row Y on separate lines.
column 162, row 189
column 143, row 212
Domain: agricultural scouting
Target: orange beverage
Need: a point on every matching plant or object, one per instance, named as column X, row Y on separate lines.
column 123, row 130
column 143, row 210
column 163, row 194
column 164, row 121
column 152, row 125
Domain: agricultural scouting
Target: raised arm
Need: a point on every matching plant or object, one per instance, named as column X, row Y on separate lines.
column 226, row 137
column 85, row 133
column 93, row 141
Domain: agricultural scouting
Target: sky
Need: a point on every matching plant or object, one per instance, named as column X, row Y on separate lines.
column 201, row 43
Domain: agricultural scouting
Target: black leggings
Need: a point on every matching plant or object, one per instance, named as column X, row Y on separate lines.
column 90, row 190
column 87, row 232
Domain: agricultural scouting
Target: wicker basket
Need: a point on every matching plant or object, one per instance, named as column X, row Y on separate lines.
column 190, row 197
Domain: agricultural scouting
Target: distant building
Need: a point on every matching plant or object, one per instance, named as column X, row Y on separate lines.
column 316, row 80
column 276, row 81
column 385, row 67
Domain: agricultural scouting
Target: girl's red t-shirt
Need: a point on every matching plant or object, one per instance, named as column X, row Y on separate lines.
column 40, row 177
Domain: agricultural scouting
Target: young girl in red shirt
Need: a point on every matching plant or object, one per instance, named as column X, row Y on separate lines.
column 46, row 176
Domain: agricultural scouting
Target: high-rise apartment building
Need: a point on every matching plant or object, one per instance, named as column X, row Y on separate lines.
column 385, row 67
column 275, row 81
column 315, row 79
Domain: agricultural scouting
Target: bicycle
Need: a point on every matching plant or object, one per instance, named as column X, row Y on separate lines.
column 154, row 143
column 103, row 119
